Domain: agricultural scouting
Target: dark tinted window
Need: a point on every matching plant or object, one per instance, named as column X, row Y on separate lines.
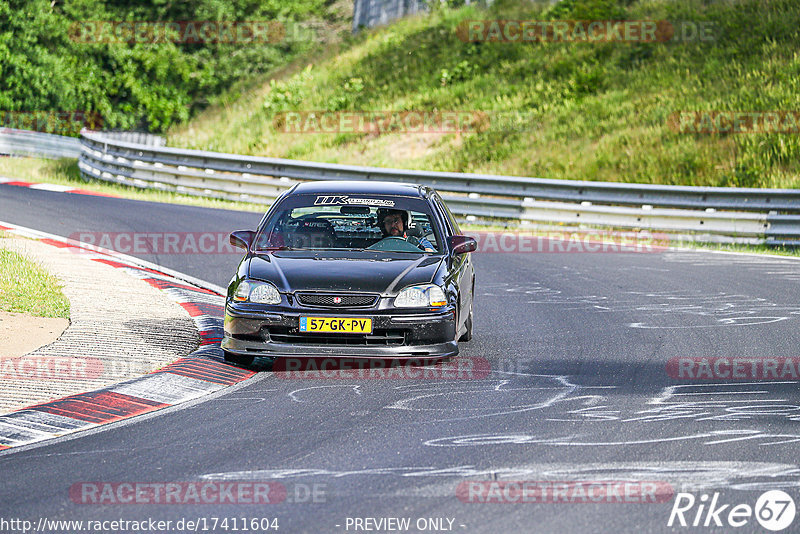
column 348, row 222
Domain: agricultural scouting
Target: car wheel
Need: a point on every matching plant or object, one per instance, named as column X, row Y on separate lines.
column 467, row 336
column 238, row 359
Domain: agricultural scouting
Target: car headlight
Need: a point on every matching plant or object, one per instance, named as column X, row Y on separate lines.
column 422, row 296
column 258, row 292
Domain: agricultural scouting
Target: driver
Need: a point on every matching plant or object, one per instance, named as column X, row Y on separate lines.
column 394, row 223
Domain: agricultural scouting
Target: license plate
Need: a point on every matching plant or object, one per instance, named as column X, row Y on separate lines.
column 338, row 325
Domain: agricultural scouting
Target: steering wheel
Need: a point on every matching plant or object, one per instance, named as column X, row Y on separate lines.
column 394, row 243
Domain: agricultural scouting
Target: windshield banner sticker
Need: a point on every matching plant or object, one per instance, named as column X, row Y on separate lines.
column 345, row 199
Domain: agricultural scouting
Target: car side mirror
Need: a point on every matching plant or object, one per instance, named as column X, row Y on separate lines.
column 242, row 238
column 461, row 244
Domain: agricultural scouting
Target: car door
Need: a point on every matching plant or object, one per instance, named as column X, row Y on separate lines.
column 460, row 265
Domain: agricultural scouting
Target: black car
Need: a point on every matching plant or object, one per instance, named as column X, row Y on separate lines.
column 351, row 269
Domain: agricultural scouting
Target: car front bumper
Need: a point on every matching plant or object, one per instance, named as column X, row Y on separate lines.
column 405, row 335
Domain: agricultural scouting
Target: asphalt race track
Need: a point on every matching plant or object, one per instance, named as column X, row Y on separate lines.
column 578, row 346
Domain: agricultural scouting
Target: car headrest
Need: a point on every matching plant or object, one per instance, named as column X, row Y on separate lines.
column 317, row 233
column 414, row 228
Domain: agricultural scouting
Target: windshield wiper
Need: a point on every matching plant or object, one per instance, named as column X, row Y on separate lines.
column 271, row 249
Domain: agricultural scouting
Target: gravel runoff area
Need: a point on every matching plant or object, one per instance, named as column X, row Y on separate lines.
column 120, row 328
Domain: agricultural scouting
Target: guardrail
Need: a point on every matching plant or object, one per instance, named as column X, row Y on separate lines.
column 139, row 138
column 26, row 143
column 705, row 213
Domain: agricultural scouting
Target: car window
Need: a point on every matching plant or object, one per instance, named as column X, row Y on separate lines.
column 451, row 221
column 302, row 223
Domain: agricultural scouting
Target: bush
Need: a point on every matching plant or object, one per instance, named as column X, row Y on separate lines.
column 46, row 66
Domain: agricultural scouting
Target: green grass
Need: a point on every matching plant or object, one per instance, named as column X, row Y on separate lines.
column 752, row 249
column 27, row 288
column 589, row 111
column 65, row 172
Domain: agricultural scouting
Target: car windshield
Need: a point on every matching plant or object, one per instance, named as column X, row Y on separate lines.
column 347, row 222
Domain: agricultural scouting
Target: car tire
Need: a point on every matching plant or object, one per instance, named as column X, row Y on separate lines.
column 467, row 336
column 238, row 359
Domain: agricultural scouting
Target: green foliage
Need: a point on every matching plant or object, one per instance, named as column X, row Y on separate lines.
column 463, row 71
column 574, row 110
column 348, row 95
column 48, row 62
column 586, row 10
column 288, row 95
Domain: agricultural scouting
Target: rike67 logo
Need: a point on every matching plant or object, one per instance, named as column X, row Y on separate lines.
column 774, row 510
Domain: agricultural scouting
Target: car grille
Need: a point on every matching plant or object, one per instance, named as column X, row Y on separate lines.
column 377, row 337
column 345, row 300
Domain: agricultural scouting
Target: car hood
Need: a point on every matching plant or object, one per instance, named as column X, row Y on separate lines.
column 384, row 273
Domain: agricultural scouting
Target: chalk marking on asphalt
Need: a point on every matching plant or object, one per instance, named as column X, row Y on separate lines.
column 684, row 475
column 472, row 440
column 293, row 394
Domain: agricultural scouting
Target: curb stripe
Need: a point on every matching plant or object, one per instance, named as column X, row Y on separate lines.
column 92, row 193
column 78, row 250
column 214, row 310
column 200, row 373
column 167, row 284
column 120, row 265
column 57, row 244
column 55, row 188
column 99, row 406
column 14, row 435
column 191, row 308
column 168, row 388
column 208, row 371
column 52, row 187
column 20, row 435
column 37, row 420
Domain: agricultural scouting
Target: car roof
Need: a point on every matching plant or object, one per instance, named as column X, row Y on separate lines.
column 351, row 187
